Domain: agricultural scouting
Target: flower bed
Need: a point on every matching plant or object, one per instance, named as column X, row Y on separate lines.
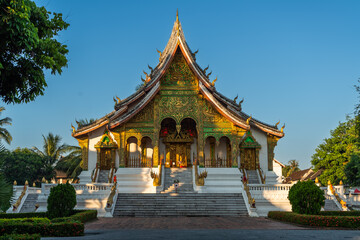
column 340, row 213
column 20, row 237
column 56, row 227
column 82, row 217
column 24, row 220
column 62, row 229
column 318, row 220
column 23, row 215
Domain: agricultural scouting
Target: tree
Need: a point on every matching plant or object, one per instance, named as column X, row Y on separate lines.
column 6, row 189
column 84, row 122
column 4, row 134
column 352, row 171
column 292, row 166
column 28, row 46
column 61, row 201
column 52, row 148
column 24, row 164
column 72, row 163
column 306, row 198
column 6, row 193
column 334, row 153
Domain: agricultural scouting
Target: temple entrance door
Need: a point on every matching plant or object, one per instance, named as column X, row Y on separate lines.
column 250, row 158
column 105, row 159
column 178, row 155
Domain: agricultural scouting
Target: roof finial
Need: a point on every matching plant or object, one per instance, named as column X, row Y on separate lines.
column 177, row 22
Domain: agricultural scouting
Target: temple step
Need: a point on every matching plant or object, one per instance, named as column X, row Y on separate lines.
column 183, row 175
column 103, row 176
column 29, row 204
column 181, row 204
column 253, row 177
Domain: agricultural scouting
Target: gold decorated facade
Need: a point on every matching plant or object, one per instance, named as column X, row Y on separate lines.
column 176, row 118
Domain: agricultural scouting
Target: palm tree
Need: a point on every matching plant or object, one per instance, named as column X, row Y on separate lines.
column 71, row 164
column 52, row 150
column 84, row 122
column 294, row 167
column 6, row 189
column 4, row 134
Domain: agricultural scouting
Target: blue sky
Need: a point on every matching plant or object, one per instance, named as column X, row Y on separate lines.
column 293, row 61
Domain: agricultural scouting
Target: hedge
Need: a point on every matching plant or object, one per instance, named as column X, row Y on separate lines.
column 83, row 217
column 317, row 220
column 20, row 237
column 33, row 214
column 340, row 213
column 23, row 220
column 24, row 215
column 63, row 229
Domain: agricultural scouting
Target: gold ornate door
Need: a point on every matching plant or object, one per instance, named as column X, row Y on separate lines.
column 250, row 158
column 177, row 155
column 105, row 159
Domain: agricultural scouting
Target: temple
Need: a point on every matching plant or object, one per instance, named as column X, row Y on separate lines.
column 178, row 119
column 176, row 147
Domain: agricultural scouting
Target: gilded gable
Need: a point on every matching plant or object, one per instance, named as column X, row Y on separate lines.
column 145, row 115
column 179, row 74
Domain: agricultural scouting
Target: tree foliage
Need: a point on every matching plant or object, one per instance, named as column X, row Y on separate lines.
column 52, row 148
column 24, row 164
column 334, row 153
column 4, row 133
column 306, row 198
column 352, row 171
column 84, row 122
column 6, row 193
column 72, row 163
column 6, row 189
column 28, row 46
column 61, row 201
column 292, row 166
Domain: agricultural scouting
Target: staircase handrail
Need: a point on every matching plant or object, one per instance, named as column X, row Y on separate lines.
column 157, row 176
column 261, row 174
column 112, row 170
column 110, row 200
column 251, row 200
column 199, row 178
column 96, row 173
column 21, row 197
column 337, row 197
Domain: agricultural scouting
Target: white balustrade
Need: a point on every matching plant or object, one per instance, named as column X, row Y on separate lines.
column 82, row 187
column 269, row 192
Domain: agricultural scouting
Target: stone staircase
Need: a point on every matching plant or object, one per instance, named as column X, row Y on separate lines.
column 330, row 205
column 103, row 176
column 180, row 204
column 29, row 204
column 253, row 177
column 184, row 175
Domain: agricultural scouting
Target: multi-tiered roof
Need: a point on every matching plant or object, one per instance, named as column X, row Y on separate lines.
column 125, row 109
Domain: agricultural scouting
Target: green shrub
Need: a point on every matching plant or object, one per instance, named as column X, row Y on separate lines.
column 24, row 215
column 340, row 213
column 82, row 217
column 23, row 220
column 20, row 237
column 61, row 201
column 306, row 198
column 317, row 220
column 63, row 229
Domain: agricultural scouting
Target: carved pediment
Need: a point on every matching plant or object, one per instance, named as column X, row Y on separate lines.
column 106, row 141
column 182, row 137
column 249, row 141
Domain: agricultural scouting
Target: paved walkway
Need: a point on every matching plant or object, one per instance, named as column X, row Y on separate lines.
column 187, row 223
column 218, row 234
column 204, row 228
